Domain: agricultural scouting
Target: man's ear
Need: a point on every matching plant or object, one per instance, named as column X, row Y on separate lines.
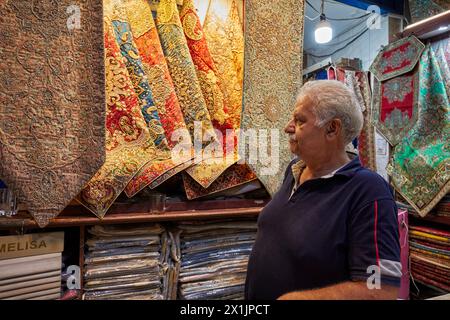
column 334, row 128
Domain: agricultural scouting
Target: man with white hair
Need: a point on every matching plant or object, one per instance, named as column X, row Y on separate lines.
column 331, row 231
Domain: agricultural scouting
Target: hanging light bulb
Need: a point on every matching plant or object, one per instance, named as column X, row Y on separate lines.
column 324, row 32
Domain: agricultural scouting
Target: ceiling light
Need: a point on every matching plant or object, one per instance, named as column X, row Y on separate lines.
column 324, row 32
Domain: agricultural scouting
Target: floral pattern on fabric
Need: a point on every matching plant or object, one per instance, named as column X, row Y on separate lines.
column 422, row 9
column 225, row 41
column 420, row 165
column 273, row 75
column 181, row 68
column 397, row 58
column 129, row 144
column 236, row 175
column 395, row 109
column 52, row 111
column 205, row 173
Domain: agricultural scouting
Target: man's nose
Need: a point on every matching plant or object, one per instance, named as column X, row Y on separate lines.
column 290, row 127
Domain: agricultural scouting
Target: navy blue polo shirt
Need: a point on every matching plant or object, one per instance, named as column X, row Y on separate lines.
column 330, row 230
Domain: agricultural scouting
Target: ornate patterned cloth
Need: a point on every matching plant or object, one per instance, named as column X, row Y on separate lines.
column 358, row 82
column 225, row 40
column 52, row 112
column 129, row 144
column 236, row 175
column 422, row 9
column 130, row 16
column 147, row 42
column 273, row 69
column 182, row 69
column 397, row 58
column 205, row 173
column 395, row 109
column 366, row 139
column 420, row 164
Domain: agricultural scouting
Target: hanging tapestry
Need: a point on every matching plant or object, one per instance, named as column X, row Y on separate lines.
column 142, row 21
column 422, row 9
column 395, row 109
column 420, row 164
column 182, row 71
column 129, row 144
column 442, row 51
column 225, row 40
column 273, row 69
column 52, row 103
column 236, row 175
column 147, row 42
column 206, row 173
column 397, row 58
column 366, row 139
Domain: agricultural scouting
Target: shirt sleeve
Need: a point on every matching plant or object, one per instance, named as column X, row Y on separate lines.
column 374, row 247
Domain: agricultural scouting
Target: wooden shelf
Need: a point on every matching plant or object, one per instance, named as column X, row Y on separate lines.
column 139, row 212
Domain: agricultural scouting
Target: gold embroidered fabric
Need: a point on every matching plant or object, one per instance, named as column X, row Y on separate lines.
column 143, row 54
column 225, row 41
column 181, row 68
column 206, row 173
column 129, row 144
column 52, row 111
column 273, row 69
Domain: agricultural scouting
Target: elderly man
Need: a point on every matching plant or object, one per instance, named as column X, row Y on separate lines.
column 331, row 231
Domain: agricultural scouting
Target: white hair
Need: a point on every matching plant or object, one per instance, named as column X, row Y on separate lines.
column 333, row 100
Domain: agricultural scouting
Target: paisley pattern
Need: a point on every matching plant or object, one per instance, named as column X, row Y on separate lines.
column 236, row 175
column 127, row 17
column 182, row 70
column 225, row 41
column 273, row 69
column 129, row 144
column 52, row 112
column 397, row 58
column 395, row 109
column 420, row 165
column 147, row 42
column 205, row 173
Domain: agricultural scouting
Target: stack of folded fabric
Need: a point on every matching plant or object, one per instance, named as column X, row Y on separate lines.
column 430, row 257
column 123, row 262
column 214, row 259
column 443, row 207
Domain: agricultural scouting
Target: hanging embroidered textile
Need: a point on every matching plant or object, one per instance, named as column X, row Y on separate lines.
column 236, row 175
column 147, row 42
column 442, row 51
column 396, row 90
column 129, row 144
column 205, row 173
column 125, row 15
column 52, row 115
column 397, row 58
column 182, row 71
column 358, row 83
column 420, row 164
column 422, row 9
column 395, row 109
column 366, row 139
column 273, row 69
column 225, row 40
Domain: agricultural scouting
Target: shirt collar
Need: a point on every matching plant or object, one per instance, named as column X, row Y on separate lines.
column 347, row 170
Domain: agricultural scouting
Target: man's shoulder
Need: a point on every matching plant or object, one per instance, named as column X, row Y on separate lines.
column 369, row 183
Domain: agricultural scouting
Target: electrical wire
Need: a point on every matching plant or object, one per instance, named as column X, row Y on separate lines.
column 342, row 48
column 338, row 19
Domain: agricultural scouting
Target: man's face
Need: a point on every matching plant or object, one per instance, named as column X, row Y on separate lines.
column 305, row 137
